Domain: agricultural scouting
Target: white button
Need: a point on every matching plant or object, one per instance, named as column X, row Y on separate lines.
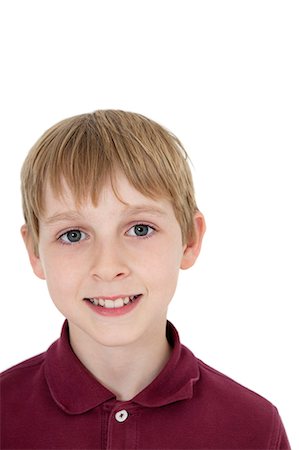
column 121, row 416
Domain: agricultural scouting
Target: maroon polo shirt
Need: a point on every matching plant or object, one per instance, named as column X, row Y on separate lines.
column 51, row 401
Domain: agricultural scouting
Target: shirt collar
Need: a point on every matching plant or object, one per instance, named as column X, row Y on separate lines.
column 76, row 391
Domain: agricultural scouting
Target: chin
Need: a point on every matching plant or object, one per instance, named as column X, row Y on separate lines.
column 116, row 339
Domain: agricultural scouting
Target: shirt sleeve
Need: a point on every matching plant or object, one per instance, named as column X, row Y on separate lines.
column 279, row 439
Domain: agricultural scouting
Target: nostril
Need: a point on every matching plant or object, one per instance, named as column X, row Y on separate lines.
column 107, row 274
column 109, row 263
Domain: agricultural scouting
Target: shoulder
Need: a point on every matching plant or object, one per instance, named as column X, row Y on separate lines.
column 224, row 389
column 26, row 365
column 21, row 376
column 232, row 415
column 235, row 407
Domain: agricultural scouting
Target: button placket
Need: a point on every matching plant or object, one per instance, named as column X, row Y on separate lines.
column 122, row 427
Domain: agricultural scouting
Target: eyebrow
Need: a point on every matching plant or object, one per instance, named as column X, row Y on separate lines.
column 60, row 217
column 130, row 210
column 149, row 209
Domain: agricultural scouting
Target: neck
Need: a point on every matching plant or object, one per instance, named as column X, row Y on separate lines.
column 126, row 370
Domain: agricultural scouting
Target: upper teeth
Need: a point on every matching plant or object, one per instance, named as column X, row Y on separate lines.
column 117, row 303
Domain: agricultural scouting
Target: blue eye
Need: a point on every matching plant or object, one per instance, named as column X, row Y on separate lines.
column 72, row 237
column 141, row 230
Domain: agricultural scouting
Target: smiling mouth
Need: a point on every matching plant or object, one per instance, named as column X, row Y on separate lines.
column 112, row 304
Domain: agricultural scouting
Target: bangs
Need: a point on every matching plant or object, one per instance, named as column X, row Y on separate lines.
column 88, row 150
column 86, row 156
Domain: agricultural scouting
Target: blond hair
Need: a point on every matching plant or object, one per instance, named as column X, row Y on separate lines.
column 85, row 150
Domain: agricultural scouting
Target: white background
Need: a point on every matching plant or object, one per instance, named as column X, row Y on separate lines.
column 223, row 76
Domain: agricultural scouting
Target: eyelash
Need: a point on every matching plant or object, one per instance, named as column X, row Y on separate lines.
column 154, row 230
column 141, row 224
column 61, row 241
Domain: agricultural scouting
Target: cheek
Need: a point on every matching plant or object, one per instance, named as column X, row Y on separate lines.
column 62, row 276
column 162, row 269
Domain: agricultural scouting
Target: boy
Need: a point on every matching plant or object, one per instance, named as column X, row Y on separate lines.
column 110, row 219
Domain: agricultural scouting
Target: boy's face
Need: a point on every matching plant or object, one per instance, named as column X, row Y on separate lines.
column 108, row 252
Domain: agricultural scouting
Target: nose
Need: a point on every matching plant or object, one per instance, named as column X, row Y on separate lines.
column 109, row 262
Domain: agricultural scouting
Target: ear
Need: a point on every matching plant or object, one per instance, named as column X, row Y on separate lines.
column 192, row 248
column 33, row 257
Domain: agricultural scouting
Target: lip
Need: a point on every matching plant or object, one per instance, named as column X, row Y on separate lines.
column 114, row 312
column 113, row 297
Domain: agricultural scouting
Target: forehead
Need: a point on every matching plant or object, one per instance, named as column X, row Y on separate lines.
column 121, row 197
